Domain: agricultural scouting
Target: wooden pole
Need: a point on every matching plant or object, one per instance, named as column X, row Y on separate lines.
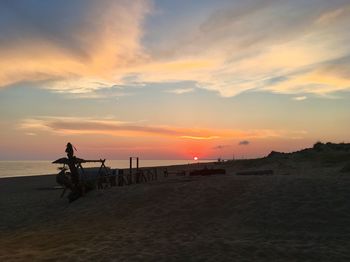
column 130, row 165
column 130, row 172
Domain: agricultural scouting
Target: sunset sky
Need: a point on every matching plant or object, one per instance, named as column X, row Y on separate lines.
column 172, row 79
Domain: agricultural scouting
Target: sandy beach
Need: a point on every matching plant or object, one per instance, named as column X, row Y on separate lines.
column 301, row 213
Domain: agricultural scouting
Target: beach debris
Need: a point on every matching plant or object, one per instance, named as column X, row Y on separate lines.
column 177, row 173
column 208, row 172
column 255, row 173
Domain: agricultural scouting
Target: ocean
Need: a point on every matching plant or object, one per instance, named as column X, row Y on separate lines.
column 37, row 168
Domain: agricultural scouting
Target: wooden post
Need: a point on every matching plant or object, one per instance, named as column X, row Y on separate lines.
column 137, row 175
column 130, row 165
column 130, row 171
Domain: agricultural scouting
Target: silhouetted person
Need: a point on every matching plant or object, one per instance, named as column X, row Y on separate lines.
column 76, row 192
column 69, row 150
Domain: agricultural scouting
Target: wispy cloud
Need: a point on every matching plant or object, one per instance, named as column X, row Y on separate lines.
column 242, row 47
column 299, row 98
column 219, row 147
column 200, row 137
column 107, row 126
column 30, row 134
column 180, row 91
column 244, row 143
column 330, row 16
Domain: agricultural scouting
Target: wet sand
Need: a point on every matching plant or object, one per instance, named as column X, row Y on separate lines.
column 301, row 213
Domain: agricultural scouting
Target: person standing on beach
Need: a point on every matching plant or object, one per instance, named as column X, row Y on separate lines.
column 72, row 166
column 69, row 150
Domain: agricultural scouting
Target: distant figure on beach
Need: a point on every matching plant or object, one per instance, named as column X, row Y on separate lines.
column 72, row 167
column 69, row 150
column 75, row 180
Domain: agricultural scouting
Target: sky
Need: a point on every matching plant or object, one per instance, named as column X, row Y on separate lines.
column 167, row 79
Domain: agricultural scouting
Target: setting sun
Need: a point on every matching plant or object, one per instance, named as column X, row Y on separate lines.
column 195, row 158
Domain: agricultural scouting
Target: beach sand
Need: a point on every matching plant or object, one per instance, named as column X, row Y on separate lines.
column 301, row 213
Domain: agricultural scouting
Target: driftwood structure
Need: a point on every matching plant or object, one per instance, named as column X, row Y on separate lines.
column 79, row 180
column 74, row 177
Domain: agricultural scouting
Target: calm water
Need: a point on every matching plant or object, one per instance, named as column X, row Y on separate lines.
column 35, row 168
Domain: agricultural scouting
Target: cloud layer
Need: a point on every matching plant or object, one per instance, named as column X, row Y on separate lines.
column 279, row 46
column 291, row 47
column 89, row 126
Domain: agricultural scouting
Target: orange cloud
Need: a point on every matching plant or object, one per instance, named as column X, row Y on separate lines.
column 200, row 137
column 87, row 126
